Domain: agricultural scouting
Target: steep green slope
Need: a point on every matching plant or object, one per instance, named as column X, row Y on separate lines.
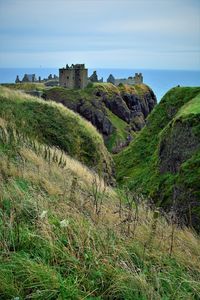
column 117, row 112
column 55, row 125
column 55, row 244
column 163, row 161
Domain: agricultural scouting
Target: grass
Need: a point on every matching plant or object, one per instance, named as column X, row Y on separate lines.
column 64, row 95
column 142, row 151
column 192, row 107
column 141, row 171
column 138, row 89
column 92, row 99
column 54, row 246
column 120, row 131
column 27, row 86
column 55, row 125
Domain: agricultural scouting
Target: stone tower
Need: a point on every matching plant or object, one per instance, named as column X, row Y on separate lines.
column 138, row 78
column 74, row 77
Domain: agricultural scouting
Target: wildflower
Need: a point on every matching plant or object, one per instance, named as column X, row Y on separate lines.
column 64, row 223
column 43, row 214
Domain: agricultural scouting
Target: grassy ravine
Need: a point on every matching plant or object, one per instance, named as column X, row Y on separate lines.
column 120, row 132
column 55, row 125
column 138, row 165
column 53, row 245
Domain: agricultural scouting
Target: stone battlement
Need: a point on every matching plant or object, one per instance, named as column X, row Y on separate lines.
column 76, row 66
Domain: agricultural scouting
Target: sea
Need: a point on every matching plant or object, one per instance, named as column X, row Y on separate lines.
column 159, row 80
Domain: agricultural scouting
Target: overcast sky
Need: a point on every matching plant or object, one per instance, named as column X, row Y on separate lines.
column 157, row 34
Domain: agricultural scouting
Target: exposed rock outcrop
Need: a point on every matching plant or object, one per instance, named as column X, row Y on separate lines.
column 118, row 107
column 96, row 114
column 179, row 144
column 130, row 104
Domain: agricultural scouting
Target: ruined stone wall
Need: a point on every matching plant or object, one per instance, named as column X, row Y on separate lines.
column 124, row 81
column 66, row 78
column 73, row 77
column 137, row 79
column 80, row 78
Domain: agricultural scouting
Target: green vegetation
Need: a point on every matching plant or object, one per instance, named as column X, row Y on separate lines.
column 93, row 104
column 143, row 151
column 192, row 107
column 120, row 131
column 173, row 126
column 26, row 86
column 62, row 94
column 138, row 89
column 55, row 125
column 64, row 233
column 54, row 244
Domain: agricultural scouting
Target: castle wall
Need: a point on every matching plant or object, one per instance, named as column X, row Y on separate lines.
column 73, row 77
column 80, row 78
column 137, row 79
column 124, row 81
column 66, row 78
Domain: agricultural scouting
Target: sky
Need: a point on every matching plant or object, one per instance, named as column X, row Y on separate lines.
column 149, row 34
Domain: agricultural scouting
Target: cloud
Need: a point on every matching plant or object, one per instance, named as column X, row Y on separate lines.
column 103, row 32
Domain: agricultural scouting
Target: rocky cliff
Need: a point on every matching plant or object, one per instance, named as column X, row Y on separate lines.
column 163, row 162
column 117, row 112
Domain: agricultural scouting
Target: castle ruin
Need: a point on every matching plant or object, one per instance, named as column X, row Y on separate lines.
column 74, row 77
column 137, row 79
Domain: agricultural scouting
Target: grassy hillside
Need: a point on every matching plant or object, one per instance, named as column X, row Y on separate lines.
column 55, row 125
column 65, row 235
column 25, row 86
column 109, row 108
column 163, row 161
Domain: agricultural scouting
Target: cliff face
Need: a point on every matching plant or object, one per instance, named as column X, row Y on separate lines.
column 178, row 144
column 117, row 112
column 179, row 158
column 163, row 162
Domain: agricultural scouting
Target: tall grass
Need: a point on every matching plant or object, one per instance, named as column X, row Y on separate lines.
column 53, row 244
column 55, row 125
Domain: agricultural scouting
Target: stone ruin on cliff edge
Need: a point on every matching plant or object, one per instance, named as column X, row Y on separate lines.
column 76, row 76
column 137, row 79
